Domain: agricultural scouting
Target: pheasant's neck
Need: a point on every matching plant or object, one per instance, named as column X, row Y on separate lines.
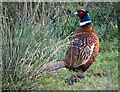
column 86, row 28
column 85, row 20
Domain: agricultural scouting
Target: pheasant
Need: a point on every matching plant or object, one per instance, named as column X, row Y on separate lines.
column 82, row 50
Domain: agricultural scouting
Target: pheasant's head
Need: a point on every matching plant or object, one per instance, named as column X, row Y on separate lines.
column 80, row 13
column 84, row 16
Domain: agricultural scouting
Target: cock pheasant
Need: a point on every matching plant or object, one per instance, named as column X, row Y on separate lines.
column 82, row 50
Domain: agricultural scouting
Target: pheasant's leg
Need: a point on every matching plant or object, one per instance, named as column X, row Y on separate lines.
column 80, row 74
column 76, row 78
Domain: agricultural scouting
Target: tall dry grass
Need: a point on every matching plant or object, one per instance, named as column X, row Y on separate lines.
column 33, row 34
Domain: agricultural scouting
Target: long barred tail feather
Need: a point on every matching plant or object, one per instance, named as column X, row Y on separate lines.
column 54, row 66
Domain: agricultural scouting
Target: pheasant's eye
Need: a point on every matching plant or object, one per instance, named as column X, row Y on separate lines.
column 81, row 12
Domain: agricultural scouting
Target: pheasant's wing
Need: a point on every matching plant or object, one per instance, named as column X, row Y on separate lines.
column 79, row 50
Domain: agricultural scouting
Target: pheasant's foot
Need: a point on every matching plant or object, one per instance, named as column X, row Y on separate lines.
column 75, row 78
column 80, row 76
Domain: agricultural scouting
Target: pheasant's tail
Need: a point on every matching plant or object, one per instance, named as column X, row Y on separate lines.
column 49, row 67
column 54, row 66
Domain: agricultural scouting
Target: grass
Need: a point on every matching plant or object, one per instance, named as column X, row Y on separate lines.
column 34, row 34
column 102, row 75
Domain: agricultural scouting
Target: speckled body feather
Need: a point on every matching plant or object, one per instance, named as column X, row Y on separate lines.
column 83, row 48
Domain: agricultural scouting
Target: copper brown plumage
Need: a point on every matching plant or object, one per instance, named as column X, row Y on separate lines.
column 82, row 50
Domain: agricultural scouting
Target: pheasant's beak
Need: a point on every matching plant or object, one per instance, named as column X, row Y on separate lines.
column 75, row 13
